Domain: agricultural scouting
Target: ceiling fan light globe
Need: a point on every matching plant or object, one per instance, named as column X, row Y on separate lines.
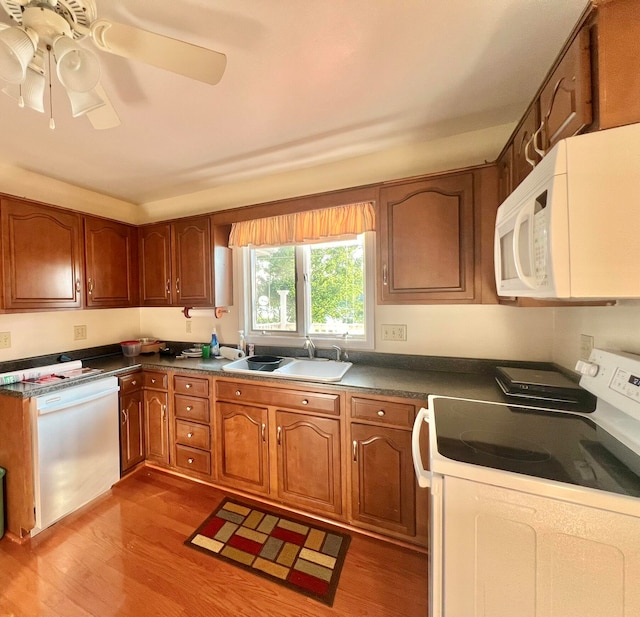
column 78, row 69
column 16, row 51
column 33, row 90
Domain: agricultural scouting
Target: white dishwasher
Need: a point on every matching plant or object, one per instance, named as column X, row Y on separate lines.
column 76, row 448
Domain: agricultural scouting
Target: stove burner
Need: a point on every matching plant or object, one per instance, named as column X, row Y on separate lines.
column 505, row 446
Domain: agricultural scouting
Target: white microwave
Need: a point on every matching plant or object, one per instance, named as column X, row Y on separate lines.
column 571, row 229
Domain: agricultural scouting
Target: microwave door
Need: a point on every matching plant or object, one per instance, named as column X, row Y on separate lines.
column 523, row 246
column 512, row 254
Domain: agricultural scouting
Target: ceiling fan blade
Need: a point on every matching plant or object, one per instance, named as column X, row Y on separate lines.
column 161, row 51
column 104, row 117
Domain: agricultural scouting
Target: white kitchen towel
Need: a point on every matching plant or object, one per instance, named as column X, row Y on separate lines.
column 231, row 353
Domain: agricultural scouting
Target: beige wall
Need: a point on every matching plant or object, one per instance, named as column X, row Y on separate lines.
column 465, row 330
column 612, row 327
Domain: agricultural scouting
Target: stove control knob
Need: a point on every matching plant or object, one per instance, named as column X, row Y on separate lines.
column 590, row 369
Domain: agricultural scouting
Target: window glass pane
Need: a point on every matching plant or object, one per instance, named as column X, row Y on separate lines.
column 273, row 292
column 337, row 287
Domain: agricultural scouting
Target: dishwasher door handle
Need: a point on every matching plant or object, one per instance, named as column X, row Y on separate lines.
column 58, row 403
column 423, row 476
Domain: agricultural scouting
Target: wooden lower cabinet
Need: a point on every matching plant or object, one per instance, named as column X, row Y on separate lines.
column 132, row 422
column 242, row 449
column 155, row 412
column 383, row 493
column 191, row 426
column 290, row 456
column 309, row 461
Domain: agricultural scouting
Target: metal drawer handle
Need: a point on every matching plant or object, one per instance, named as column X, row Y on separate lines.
column 90, row 286
column 381, row 412
column 189, row 408
column 305, row 401
column 355, row 451
column 187, row 386
column 264, row 428
column 78, row 286
column 178, row 286
column 168, row 287
column 190, row 461
column 238, row 392
column 279, row 435
column 189, row 435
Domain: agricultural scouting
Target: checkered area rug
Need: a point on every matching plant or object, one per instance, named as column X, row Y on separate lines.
column 303, row 557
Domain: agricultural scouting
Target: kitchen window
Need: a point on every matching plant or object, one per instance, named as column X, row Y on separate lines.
column 319, row 287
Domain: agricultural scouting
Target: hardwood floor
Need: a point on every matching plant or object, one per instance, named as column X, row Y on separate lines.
column 123, row 555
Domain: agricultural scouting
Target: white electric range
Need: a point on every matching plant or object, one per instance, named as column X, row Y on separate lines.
column 536, row 512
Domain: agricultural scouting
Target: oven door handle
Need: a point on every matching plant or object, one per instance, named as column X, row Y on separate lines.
column 423, row 476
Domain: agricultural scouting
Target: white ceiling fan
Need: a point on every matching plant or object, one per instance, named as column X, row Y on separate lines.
column 47, row 32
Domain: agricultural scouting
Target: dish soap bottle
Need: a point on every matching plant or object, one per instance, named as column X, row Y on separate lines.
column 215, row 345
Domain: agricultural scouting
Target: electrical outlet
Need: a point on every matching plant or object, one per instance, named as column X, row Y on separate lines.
column 5, row 340
column 397, row 332
column 586, row 345
column 188, row 325
column 79, row 333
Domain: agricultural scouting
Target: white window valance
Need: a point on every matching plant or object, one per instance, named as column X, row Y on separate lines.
column 300, row 227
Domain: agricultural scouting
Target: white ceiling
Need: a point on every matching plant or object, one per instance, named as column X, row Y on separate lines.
column 307, row 82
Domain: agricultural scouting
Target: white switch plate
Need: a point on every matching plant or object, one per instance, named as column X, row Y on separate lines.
column 394, row 332
column 586, row 345
column 5, row 340
column 79, row 333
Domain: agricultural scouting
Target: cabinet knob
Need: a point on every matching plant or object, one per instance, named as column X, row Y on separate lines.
column 189, row 435
column 238, row 392
column 305, row 401
column 153, row 380
column 381, row 412
column 134, row 382
column 189, row 408
column 187, row 386
column 190, row 461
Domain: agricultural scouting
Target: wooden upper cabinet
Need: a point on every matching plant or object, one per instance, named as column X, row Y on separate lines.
column 42, row 256
column 155, row 265
column 111, row 268
column 426, row 249
column 185, row 263
column 505, row 174
column 192, row 262
column 565, row 100
column 525, row 156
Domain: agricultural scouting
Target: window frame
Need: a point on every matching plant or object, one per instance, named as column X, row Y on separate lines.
column 303, row 308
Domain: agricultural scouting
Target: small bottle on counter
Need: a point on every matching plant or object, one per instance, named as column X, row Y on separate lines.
column 242, row 344
column 215, row 345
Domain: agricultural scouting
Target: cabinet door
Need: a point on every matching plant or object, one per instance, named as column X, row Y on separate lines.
column 111, row 263
column 524, row 155
column 382, row 480
column 42, row 256
column 427, row 241
column 132, row 450
column 309, row 461
column 157, row 426
column 192, row 262
column 565, row 101
column 155, row 265
column 243, row 453
column 505, row 174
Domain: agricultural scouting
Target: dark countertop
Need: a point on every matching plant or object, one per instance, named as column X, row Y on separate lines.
column 372, row 380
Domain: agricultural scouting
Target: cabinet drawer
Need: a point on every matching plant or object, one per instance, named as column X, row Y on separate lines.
column 275, row 397
column 401, row 414
column 192, row 434
column 191, row 408
column 155, row 380
column 193, row 386
column 192, row 459
column 130, row 383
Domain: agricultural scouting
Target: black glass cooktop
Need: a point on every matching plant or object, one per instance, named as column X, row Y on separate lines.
column 545, row 444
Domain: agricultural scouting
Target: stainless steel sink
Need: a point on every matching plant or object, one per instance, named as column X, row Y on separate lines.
column 296, row 368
